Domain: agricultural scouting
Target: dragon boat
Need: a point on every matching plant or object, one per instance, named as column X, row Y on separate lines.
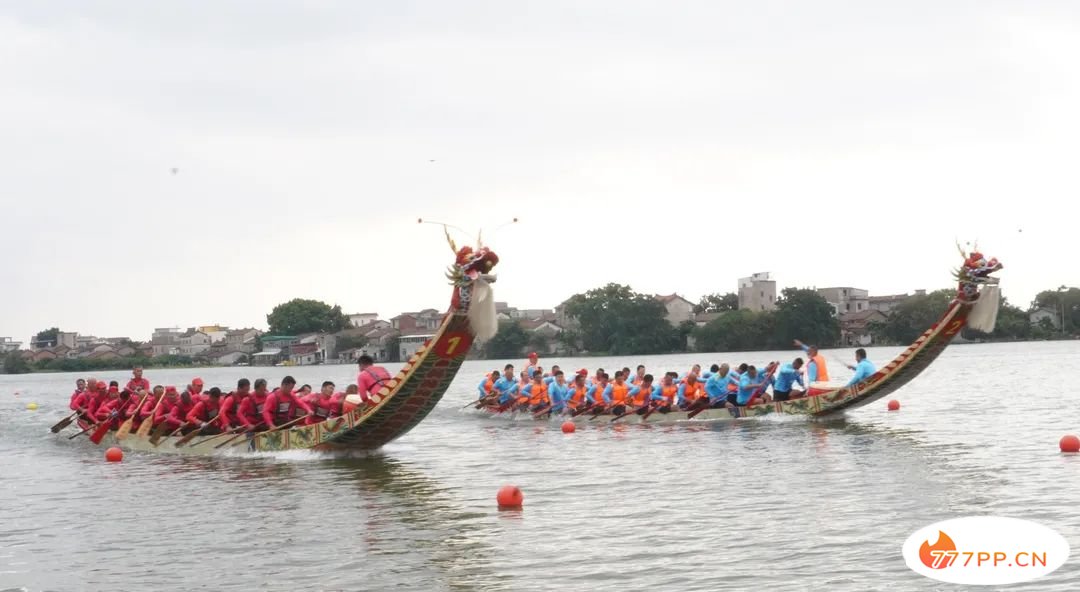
column 398, row 407
column 975, row 306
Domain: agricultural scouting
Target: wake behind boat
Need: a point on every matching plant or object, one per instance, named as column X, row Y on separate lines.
column 975, row 306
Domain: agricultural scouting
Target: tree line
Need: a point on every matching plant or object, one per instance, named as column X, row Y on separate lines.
column 615, row 320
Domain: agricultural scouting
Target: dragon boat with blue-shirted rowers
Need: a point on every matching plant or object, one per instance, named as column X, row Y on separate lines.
column 395, row 409
column 975, row 306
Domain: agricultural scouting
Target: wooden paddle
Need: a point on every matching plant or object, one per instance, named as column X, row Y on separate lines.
column 229, row 432
column 82, row 432
column 103, row 427
column 194, row 433
column 125, row 427
column 282, row 427
column 632, row 411
column 159, row 431
column 241, row 433
column 148, row 423
column 63, row 423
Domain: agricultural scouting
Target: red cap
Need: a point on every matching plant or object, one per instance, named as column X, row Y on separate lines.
column 113, row 388
column 170, row 389
column 197, row 381
column 583, row 372
column 532, row 354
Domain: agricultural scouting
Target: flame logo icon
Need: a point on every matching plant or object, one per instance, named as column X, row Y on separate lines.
column 937, row 560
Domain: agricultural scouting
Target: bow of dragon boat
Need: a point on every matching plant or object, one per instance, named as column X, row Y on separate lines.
column 400, row 405
column 975, row 306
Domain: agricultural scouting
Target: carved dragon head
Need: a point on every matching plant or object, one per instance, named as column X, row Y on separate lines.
column 975, row 271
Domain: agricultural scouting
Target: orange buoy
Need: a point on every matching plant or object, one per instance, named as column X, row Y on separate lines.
column 114, row 454
column 509, row 497
column 1069, row 443
column 569, row 427
column 894, row 405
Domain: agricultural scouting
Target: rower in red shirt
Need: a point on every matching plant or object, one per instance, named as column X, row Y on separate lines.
column 147, row 410
column 173, row 412
column 80, row 388
column 371, row 378
column 206, row 411
column 113, row 407
column 137, row 382
column 252, row 406
column 81, row 397
column 282, row 403
column 230, row 406
column 325, row 404
column 95, row 397
column 195, row 390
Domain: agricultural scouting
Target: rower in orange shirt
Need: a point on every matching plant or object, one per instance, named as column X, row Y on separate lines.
column 535, row 395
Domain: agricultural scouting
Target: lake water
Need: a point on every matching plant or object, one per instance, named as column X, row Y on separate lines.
column 771, row 504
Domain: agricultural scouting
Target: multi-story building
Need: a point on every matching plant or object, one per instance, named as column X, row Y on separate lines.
column 7, row 344
column 757, row 292
column 846, row 299
column 679, row 309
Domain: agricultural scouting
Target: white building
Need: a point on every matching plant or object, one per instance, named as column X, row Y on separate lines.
column 846, row 299
column 363, row 318
column 408, row 344
column 679, row 309
column 7, row 344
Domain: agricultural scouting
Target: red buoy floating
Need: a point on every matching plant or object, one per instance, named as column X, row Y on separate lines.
column 569, row 427
column 1069, row 443
column 894, row 405
column 114, row 454
column 509, row 497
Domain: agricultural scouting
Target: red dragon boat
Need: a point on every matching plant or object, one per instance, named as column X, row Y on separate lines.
column 397, row 407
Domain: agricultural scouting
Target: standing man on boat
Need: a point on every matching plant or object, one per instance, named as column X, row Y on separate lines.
column 863, row 368
column 371, row 377
column 816, row 371
column 533, row 364
column 137, row 383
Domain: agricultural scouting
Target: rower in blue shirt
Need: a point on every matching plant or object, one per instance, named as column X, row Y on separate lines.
column 863, row 369
column 749, row 383
column 507, row 386
column 785, row 378
column 488, row 383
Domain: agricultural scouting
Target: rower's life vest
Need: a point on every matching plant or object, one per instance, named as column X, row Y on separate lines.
column 691, row 393
column 619, row 392
column 488, row 385
column 669, row 392
column 577, row 395
column 822, row 372
column 537, row 394
column 642, row 396
column 323, row 408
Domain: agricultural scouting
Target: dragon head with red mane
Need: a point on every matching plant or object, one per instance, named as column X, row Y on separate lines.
column 975, row 271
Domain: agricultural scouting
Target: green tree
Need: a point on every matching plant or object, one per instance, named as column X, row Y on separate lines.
column 508, row 342
column 619, row 321
column 47, row 338
column 346, row 341
column 1061, row 301
column 15, row 364
column 911, row 317
column 299, row 316
column 803, row 314
column 738, row 330
column 717, row 303
column 538, row 342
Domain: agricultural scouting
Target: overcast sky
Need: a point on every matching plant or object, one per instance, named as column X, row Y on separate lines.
column 672, row 146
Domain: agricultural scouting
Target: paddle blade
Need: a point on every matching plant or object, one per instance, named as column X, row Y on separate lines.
column 100, row 432
column 145, row 427
column 62, row 424
column 125, row 429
